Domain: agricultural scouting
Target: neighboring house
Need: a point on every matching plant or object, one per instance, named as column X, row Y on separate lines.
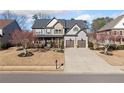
column 69, row 33
column 114, row 28
column 6, row 29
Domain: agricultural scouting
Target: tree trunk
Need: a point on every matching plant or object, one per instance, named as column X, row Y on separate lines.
column 24, row 51
column 106, row 51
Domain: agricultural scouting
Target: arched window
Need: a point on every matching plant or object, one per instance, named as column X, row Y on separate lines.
column 75, row 29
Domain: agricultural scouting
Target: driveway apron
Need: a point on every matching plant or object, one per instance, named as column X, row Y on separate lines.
column 82, row 60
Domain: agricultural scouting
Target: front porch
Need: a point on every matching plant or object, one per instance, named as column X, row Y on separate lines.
column 51, row 42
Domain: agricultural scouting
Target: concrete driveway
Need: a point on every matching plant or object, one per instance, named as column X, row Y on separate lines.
column 81, row 60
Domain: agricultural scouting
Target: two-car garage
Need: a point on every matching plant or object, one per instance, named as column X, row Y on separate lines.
column 76, row 41
column 71, row 43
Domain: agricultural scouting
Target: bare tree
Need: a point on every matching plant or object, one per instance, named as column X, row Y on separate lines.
column 108, row 40
column 21, row 19
column 23, row 38
column 41, row 15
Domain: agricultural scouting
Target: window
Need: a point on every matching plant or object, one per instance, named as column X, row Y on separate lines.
column 120, row 32
column 41, row 32
column 48, row 31
column 75, row 29
column 58, row 31
column 114, row 32
column 109, row 33
column 38, row 32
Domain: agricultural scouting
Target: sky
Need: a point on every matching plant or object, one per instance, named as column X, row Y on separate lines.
column 88, row 15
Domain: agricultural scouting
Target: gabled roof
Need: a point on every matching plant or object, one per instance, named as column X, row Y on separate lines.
column 76, row 33
column 5, row 22
column 111, row 24
column 71, row 23
column 42, row 23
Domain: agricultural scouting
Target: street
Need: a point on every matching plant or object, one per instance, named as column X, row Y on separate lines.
column 60, row 78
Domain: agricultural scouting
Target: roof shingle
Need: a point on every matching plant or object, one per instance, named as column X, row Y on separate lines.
column 5, row 22
column 42, row 23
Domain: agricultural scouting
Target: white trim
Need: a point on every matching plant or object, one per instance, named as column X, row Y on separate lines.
column 72, row 32
column 1, row 33
column 120, row 24
column 52, row 22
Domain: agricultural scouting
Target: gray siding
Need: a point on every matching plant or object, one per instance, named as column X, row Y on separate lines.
column 7, row 31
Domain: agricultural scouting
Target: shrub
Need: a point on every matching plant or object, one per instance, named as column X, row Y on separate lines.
column 90, row 44
column 5, row 46
column 61, row 51
column 28, row 54
column 112, row 47
column 120, row 47
column 62, row 45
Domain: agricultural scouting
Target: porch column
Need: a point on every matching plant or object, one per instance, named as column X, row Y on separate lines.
column 61, row 42
column 58, row 43
column 121, row 41
column 52, row 39
column 43, row 41
column 86, row 41
column 75, row 42
column 52, row 42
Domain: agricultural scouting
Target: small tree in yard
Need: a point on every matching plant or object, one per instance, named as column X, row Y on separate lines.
column 22, row 38
column 108, row 40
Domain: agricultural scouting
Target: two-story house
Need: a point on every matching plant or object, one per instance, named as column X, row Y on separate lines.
column 71, row 33
column 114, row 29
column 6, row 29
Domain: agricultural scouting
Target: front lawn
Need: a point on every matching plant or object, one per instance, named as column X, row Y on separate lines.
column 10, row 57
column 116, row 59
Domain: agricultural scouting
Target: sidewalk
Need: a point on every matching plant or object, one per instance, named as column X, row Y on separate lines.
column 29, row 68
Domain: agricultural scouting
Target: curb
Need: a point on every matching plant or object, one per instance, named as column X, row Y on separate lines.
column 29, row 68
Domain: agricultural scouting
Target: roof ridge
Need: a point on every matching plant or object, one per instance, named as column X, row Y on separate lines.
column 119, row 20
column 112, row 23
column 41, row 23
